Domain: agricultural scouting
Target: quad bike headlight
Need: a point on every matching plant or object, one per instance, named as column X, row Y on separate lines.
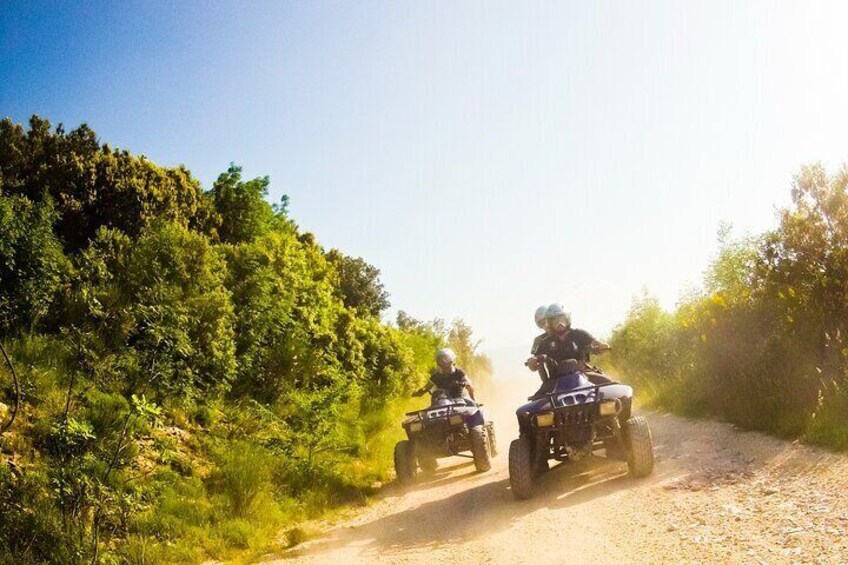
column 416, row 427
column 545, row 419
column 455, row 420
column 610, row 407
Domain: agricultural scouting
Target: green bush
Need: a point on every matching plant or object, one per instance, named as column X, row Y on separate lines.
column 827, row 424
column 242, row 476
column 237, row 533
column 31, row 529
column 32, row 266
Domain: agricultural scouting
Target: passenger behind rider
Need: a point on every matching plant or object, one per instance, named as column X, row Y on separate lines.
column 561, row 342
column 448, row 377
column 541, row 322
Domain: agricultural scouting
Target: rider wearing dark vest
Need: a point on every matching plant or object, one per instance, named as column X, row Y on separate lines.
column 454, row 382
column 448, row 377
column 573, row 345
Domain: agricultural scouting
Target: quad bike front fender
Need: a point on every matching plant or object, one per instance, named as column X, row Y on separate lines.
column 476, row 419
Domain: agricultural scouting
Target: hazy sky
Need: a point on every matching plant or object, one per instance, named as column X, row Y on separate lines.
column 487, row 157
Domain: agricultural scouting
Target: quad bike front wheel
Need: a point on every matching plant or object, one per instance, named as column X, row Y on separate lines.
column 639, row 445
column 405, row 466
column 521, row 467
column 480, row 448
column 493, row 444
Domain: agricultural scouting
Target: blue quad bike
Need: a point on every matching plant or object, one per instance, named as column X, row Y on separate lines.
column 449, row 427
column 569, row 419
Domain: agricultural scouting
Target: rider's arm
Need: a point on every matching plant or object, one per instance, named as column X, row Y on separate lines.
column 424, row 389
column 536, row 363
column 533, row 363
column 465, row 382
column 586, row 343
column 537, row 343
column 598, row 346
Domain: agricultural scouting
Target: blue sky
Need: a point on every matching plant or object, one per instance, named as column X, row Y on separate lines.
column 486, row 156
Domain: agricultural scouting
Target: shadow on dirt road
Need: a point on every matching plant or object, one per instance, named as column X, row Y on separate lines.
column 482, row 509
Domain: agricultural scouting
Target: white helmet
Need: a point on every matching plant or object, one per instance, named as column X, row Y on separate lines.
column 555, row 315
column 541, row 313
column 445, row 357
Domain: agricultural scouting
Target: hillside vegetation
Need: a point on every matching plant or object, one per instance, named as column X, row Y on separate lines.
column 764, row 344
column 197, row 373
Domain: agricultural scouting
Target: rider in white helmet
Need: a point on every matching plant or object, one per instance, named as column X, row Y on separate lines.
column 448, row 377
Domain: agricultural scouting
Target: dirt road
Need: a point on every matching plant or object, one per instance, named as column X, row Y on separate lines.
column 717, row 495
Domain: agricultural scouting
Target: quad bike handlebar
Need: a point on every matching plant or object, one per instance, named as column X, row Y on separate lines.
column 542, row 361
column 432, row 388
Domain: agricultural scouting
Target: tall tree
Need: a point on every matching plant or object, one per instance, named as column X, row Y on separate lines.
column 244, row 212
column 359, row 284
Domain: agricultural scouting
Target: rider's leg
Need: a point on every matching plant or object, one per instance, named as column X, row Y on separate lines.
column 546, row 388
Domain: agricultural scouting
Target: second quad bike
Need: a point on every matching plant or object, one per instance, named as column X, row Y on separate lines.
column 450, row 426
column 571, row 418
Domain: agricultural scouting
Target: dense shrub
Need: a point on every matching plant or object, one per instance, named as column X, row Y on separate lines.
column 764, row 343
column 33, row 268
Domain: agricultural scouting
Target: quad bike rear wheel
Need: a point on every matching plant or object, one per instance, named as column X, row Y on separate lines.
column 493, row 444
column 521, row 467
column 640, row 446
column 480, row 448
column 405, row 466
